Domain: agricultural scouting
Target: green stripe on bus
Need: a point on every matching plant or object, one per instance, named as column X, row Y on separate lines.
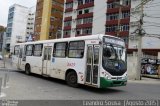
column 104, row 83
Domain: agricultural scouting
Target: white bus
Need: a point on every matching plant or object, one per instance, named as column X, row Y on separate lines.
column 94, row 60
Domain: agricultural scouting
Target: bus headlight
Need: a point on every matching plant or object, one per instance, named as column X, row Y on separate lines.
column 125, row 76
column 107, row 77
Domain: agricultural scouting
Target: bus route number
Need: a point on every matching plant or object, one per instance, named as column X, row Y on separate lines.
column 71, row 64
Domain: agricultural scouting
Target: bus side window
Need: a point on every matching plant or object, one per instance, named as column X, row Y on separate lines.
column 16, row 50
column 60, row 49
column 76, row 49
column 29, row 50
column 37, row 51
column 24, row 54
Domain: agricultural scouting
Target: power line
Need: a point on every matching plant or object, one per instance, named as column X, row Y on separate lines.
column 152, row 6
column 152, row 25
column 151, row 3
column 151, row 16
column 150, row 22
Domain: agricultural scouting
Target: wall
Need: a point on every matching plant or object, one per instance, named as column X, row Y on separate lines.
column 131, row 66
column 99, row 19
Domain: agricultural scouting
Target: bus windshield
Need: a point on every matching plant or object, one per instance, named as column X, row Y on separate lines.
column 113, row 58
column 113, row 52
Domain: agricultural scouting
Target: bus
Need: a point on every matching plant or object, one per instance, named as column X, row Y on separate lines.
column 95, row 60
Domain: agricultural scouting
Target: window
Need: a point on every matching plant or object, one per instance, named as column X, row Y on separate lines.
column 78, row 32
column 79, row 21
column 89, row 1
column 29, row 49
column 126, row 2
column 87, row 31
column 86, row 11
column 80, row 2
column 16, row 50
column 87, row 20
column 69, row 5
column 67, row 32
column 38, row 50
column 67, row 23
column 125, row 14
column 76, row 49
column 79, row 12
column 60, row 49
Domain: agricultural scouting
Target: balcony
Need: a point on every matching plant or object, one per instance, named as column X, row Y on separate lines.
column 110, row 1
column 68, row 10
column 67, row 18
column 69, row 1
column 121, row 34
column 115, row 22
column 85, row 5
column 87, row 15
column 82, row 35
column 57, row 7
column 113, row 10
column 66, row 36
column 116, row 10
column 87, row 25
column 126, row 8
column 67, row 28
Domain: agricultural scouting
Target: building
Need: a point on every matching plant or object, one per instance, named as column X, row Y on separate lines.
column 30, row 23
column 16, row 26
column 20, row 24
column 2, row 32
column 86, row 17
column 48, row 23
column 81, row 17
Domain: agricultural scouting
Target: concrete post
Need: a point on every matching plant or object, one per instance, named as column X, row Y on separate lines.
column 5, row 80
column 0, row 86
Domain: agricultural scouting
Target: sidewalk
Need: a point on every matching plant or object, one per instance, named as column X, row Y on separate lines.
column 8, row 64
column 145, row 81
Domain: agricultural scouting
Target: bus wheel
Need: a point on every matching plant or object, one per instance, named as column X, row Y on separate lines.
column 71, row 79
column 27, row 69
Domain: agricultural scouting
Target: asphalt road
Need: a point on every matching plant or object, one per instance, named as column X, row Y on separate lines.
column 35, row 87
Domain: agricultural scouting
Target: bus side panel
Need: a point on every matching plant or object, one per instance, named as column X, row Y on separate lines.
column 59, row 66
column 35, row 64
column 15, row 61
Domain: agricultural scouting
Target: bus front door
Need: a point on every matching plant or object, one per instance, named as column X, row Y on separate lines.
column 46, row 60
column 92, row 68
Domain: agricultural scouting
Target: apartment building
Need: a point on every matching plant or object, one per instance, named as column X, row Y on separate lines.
column 16, row 25
column 48, row 20
column 30, row 23
column 86, row 17
column 80, row 17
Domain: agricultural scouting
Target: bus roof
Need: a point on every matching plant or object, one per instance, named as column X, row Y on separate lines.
column 89, row 37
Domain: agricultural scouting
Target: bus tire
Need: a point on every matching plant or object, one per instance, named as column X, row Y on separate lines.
column 71, row 79
column 27, row 69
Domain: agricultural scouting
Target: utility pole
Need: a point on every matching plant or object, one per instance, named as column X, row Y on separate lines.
column 140, row 35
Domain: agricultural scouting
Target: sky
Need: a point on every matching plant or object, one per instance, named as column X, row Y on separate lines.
column 5, row 4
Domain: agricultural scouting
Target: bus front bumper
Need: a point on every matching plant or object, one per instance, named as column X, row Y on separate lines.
column 104, row 83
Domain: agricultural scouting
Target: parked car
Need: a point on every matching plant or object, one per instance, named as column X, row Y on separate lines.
column 1, row 57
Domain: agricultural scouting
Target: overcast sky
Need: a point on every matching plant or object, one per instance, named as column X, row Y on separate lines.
column 4, row 6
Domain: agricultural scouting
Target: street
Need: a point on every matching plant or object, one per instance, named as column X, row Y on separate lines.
column 35, row 87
